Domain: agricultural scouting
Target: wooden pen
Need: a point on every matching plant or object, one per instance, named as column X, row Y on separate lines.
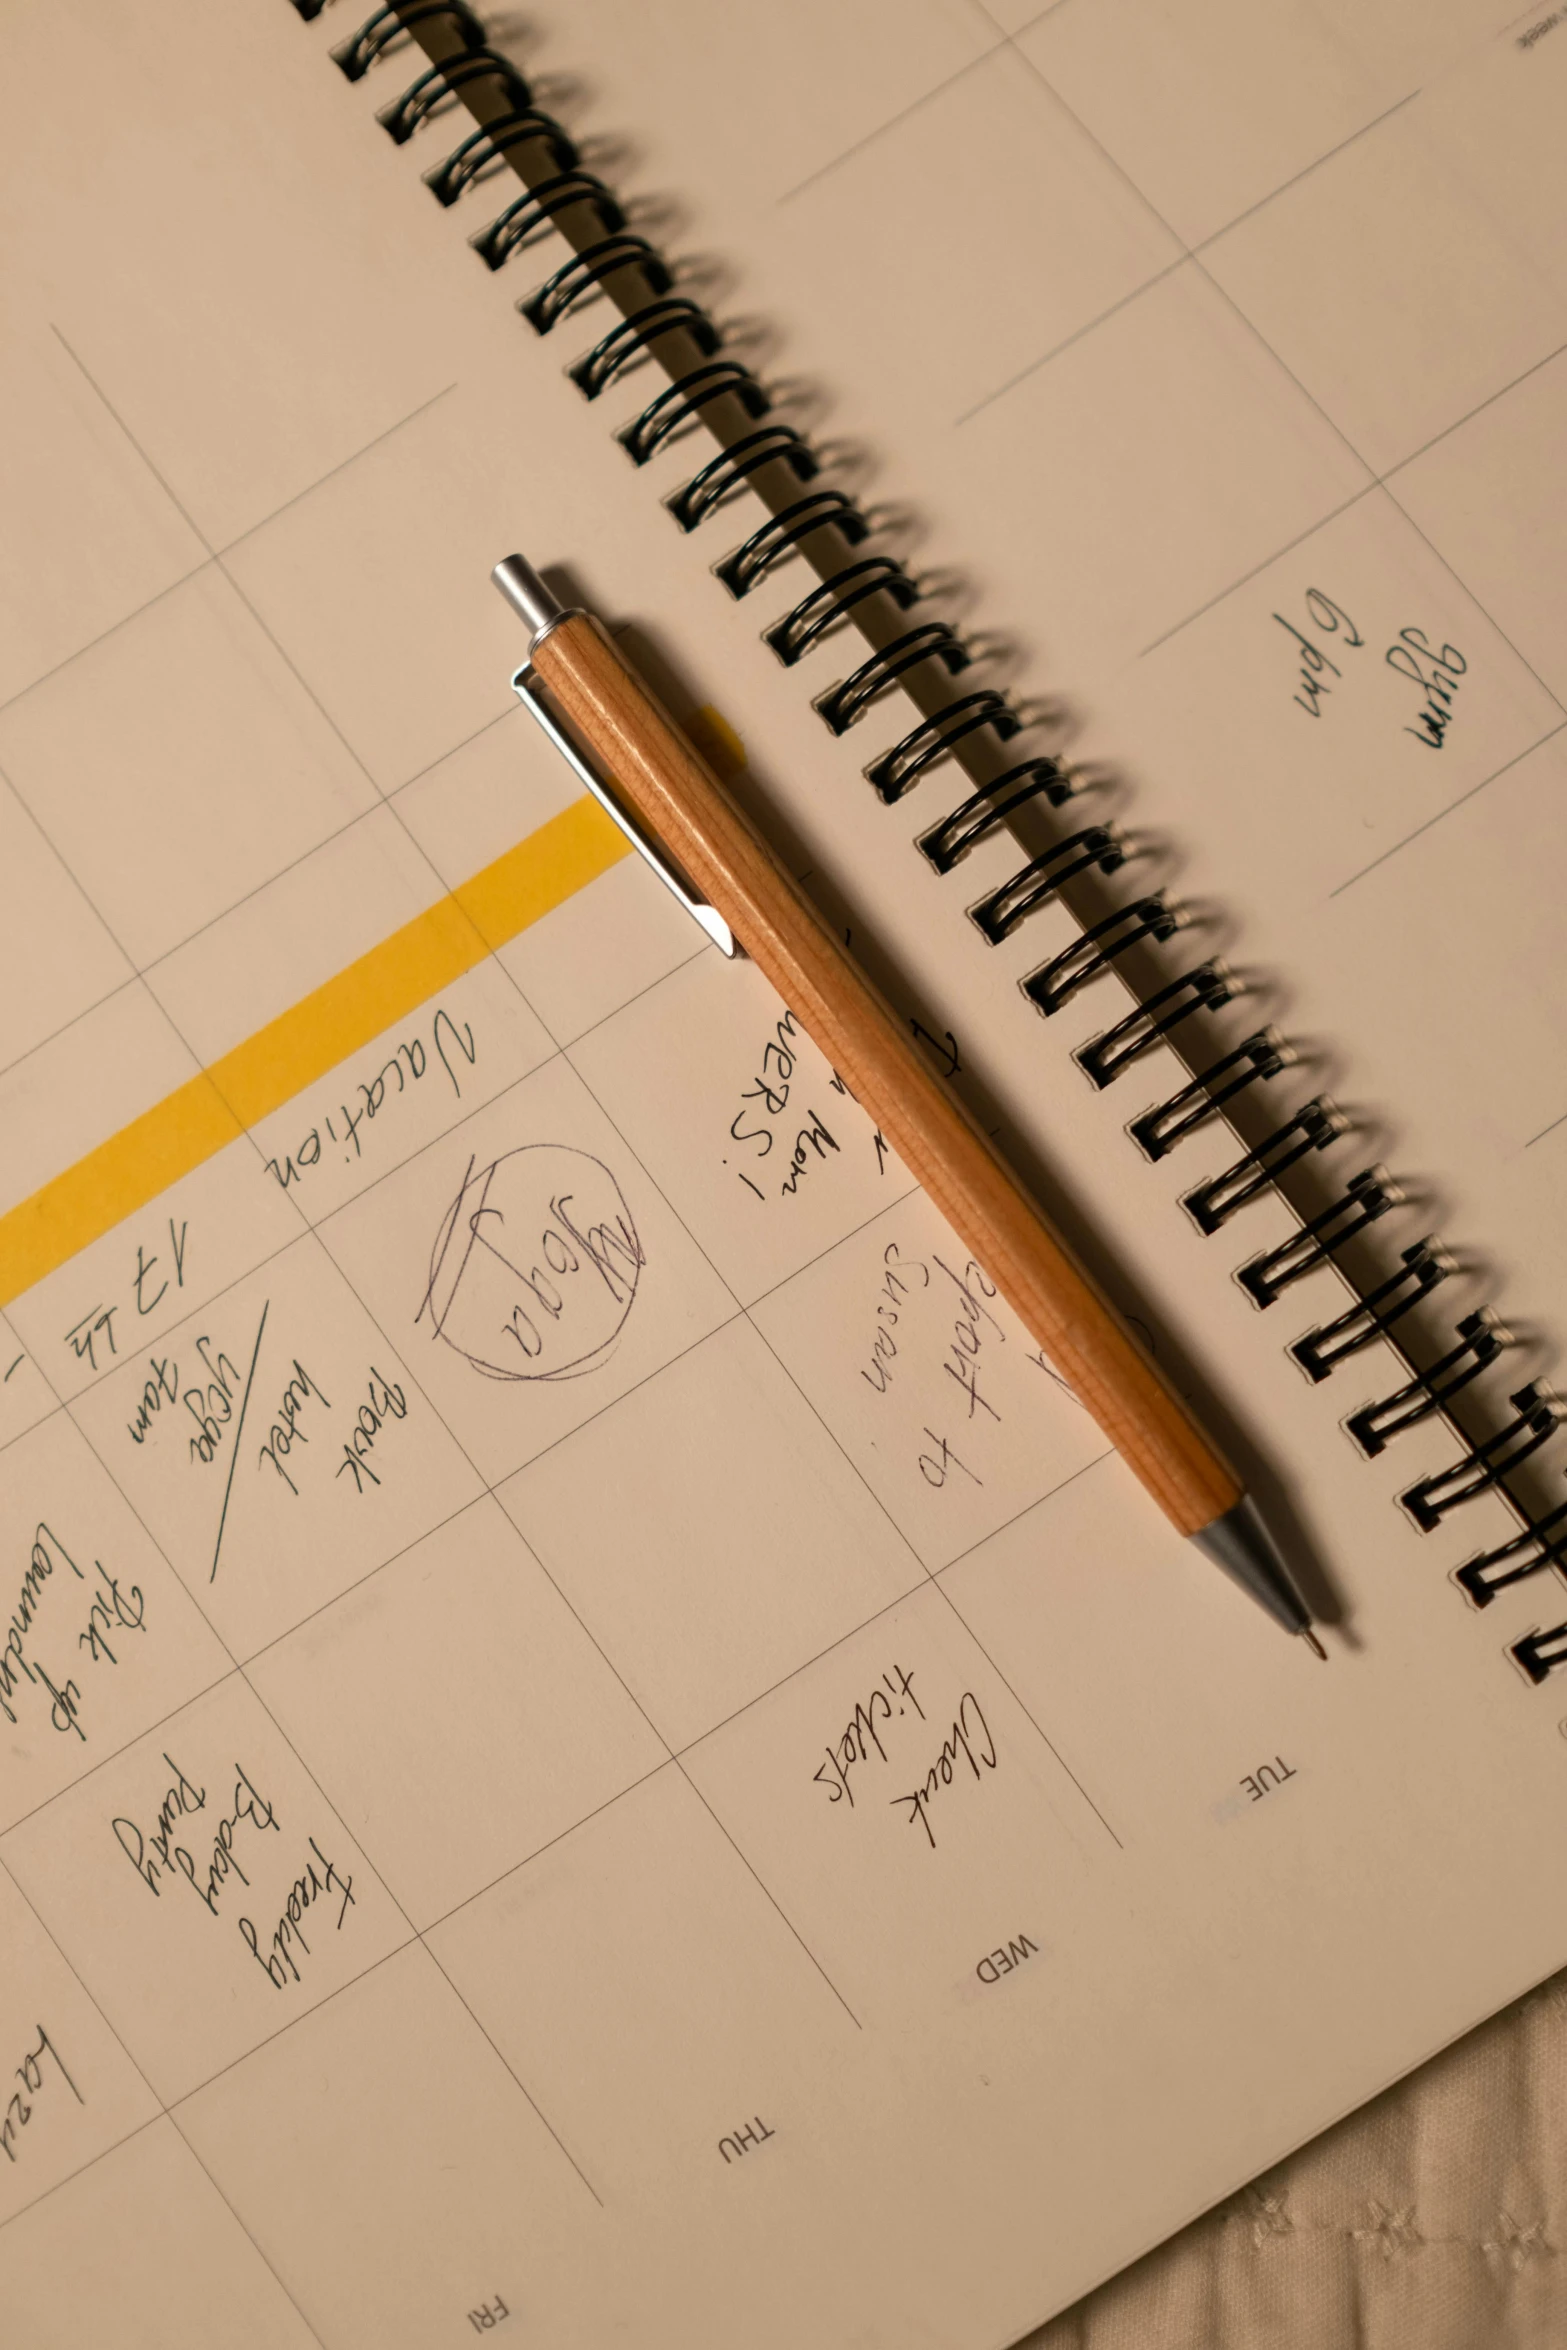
column 657, row 787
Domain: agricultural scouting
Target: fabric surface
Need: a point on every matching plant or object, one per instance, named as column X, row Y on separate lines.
column 1434, row 2219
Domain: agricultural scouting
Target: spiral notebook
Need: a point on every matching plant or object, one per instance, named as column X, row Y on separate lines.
column 650, row 1779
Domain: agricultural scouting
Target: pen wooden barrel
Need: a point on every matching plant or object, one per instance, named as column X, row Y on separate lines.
column 680, row 801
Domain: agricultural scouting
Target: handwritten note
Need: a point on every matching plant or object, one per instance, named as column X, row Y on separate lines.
column 950, row 1410
column 1434, row 669
column 535, row 1265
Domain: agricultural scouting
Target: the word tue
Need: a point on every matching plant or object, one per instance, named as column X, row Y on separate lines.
column 1265, row 1778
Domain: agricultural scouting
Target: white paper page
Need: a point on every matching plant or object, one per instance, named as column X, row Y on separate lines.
column 627, row 1805
column 1172, row 330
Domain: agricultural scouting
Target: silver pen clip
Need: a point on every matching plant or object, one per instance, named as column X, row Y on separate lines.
column 526, row 687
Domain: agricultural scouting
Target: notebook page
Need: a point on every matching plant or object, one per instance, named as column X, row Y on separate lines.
column 1165, row 383
column 546, row 1731
column 1204, row 349
column 1198, row 345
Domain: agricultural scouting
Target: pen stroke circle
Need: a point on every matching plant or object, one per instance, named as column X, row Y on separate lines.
column 535, row 1265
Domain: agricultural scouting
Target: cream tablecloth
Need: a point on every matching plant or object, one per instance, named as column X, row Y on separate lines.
column 1435, row 2219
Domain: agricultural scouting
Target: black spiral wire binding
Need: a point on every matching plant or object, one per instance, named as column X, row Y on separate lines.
column 585, row 273
column 1320, row 1352
column 820, row 525
column 1539, row 1654
column 354, row 58
column 1537, row 1414
column 843, row 704
column 1056, row 982
column 523, row 220
column 1481, row 1339
column 1202, row 989
column 1542, row 1544
column 833, row 600
column 446, row 80
column 1365, row 1197
column 992, row 806
column 1313, row 1127
column 1098, row 848
column 1261, row 1055
column 782, row 533
column 632, row 341
column 682, row 400
column 511, row 129
column 934, row 739
column 738, row 467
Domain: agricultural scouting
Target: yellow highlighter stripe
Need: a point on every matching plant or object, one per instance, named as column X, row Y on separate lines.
column 200, row 1117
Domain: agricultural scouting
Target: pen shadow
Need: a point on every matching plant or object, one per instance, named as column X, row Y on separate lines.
column 1221, row 1415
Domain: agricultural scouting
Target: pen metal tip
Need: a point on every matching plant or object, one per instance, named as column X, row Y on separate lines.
column 1240, row 1543
column 1313, row 1643
column 526, row 593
